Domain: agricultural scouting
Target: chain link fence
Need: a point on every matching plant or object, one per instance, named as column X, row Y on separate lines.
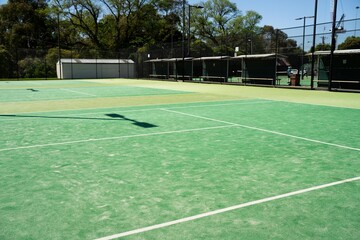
column 291, row 46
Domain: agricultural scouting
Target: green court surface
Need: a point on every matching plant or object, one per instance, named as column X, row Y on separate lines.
column 170, row 160
column 55, row 91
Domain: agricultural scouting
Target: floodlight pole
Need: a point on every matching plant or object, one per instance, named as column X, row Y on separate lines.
column 333, row 45
column 183, row 37
column 313, row 47
column 251, row 45
column 189, row 22
column 59, row 50
column 276, row 53
column 356, row 15
column 303, row 45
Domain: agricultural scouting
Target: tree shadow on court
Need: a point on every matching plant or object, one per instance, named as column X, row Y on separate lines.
column 113, row 117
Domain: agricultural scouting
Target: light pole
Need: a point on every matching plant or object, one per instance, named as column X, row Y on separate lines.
column 183, row 38
column 333, row 45
column 357, row 8
column 189, row 32
column 59, row 50
column 303, row 44
column 313, row 47
column 251, row 45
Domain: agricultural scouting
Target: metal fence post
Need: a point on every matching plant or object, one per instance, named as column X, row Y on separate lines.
column 313, row 48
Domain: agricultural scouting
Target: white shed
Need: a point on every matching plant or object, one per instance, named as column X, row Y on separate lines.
column 95, row 68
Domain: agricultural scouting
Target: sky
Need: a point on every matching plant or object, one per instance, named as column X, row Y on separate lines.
column 282, row 13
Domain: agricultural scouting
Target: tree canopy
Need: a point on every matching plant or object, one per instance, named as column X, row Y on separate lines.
column 25, row 23
column 133, row 29
column 113, row 25
column 350, row 43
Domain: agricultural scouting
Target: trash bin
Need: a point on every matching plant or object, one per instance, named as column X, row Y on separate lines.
column 295, row 80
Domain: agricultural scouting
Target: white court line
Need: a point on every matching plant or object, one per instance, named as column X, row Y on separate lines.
column 73, row 91
column 222, row 104
column 192, row 115
column 265, row 130
column 222, row 210
column 139, row 110
column 116, row 137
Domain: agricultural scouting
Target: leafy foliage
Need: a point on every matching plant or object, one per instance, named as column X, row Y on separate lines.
column 322, row 47
column 24, row 24
column 5, row 62
column 139, row 25
column 118, row 24
column 350, row 43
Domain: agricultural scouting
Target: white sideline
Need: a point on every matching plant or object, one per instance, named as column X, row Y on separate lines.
column 82, row 93
column 222, row 210
column 116, row 137
column 265, row 130
column 229, row 124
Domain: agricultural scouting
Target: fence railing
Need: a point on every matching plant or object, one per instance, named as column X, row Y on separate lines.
column 21, row 64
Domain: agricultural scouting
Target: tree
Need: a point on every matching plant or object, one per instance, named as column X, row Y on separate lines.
column 276, row 40
column 116, row 24
column 222, row 26
column 322, row 47
column 84, row 15
column 269, row 36
column 350, row 43
column 123, row 14
column 245, row 33
column 24, row 24
column 212, row 24
column 5, row 63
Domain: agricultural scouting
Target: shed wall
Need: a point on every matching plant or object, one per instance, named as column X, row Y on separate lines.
column 98, row 70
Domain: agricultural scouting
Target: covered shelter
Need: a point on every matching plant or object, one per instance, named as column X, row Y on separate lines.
column 69, row 68
column 215, row 69
column 171, row 68
column 346, row 69
column 235, row 68
column 261, row 68
column 180, row 68
column 159, row 68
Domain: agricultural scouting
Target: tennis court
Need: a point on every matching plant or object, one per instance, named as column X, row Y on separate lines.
column 133, row 159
